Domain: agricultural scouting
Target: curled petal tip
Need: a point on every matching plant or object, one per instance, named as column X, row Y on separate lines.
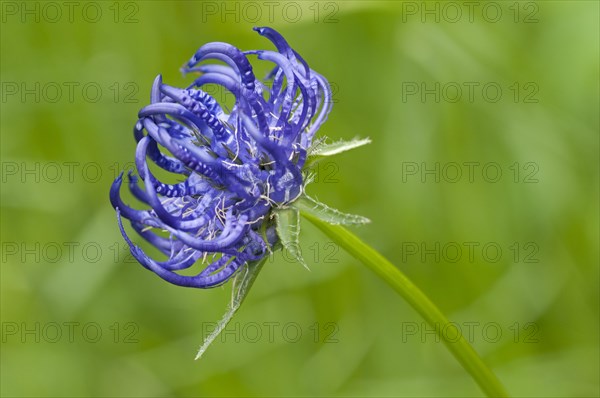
column 231, row 163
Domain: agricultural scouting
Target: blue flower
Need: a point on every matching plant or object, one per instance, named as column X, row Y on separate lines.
column 236, row 167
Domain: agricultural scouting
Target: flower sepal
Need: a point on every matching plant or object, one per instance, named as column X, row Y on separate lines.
column 306, row 204
column 320, row 150
column 242, row 282
column 287, row 225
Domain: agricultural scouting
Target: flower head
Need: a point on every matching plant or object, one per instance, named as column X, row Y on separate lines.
column 237, row 166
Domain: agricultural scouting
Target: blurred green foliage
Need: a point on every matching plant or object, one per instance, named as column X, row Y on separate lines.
column 530, row 310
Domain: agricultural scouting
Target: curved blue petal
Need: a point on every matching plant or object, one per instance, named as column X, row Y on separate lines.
column 233, row 165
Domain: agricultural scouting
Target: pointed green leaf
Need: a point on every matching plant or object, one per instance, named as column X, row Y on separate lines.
column 322, row 149
column 288, row 230
column 241, row 287
column 326, row 213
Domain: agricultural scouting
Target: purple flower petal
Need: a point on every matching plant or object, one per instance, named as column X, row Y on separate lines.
column 230, row 167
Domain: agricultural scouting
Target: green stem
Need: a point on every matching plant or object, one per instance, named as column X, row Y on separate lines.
column 461, row 349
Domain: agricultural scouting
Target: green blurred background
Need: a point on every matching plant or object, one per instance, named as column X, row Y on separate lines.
column 79, row 318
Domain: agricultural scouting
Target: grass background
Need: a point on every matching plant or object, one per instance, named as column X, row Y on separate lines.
column 530, row 310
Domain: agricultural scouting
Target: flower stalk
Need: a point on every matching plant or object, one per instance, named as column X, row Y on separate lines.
column 460, row 349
